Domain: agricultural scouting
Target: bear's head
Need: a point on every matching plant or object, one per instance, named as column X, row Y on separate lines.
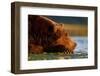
column 46, row 34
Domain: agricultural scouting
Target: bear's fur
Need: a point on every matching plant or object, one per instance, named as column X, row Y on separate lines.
column 45, row 34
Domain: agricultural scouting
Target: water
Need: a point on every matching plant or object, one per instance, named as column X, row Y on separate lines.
column 80, row 52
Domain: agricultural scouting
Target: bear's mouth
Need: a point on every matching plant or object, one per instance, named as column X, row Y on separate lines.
column 57, row 48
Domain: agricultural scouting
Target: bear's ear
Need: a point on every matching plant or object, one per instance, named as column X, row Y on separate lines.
column 62, row 25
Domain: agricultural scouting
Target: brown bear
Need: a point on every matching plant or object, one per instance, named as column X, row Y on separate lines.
column 46, row 35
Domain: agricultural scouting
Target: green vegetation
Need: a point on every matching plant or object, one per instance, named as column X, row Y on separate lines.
column 56, row 56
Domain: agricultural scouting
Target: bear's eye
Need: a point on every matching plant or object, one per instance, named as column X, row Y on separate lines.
column 66, row 34
column 50, row 28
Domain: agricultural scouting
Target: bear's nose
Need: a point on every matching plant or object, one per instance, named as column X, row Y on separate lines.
column 74, row 45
